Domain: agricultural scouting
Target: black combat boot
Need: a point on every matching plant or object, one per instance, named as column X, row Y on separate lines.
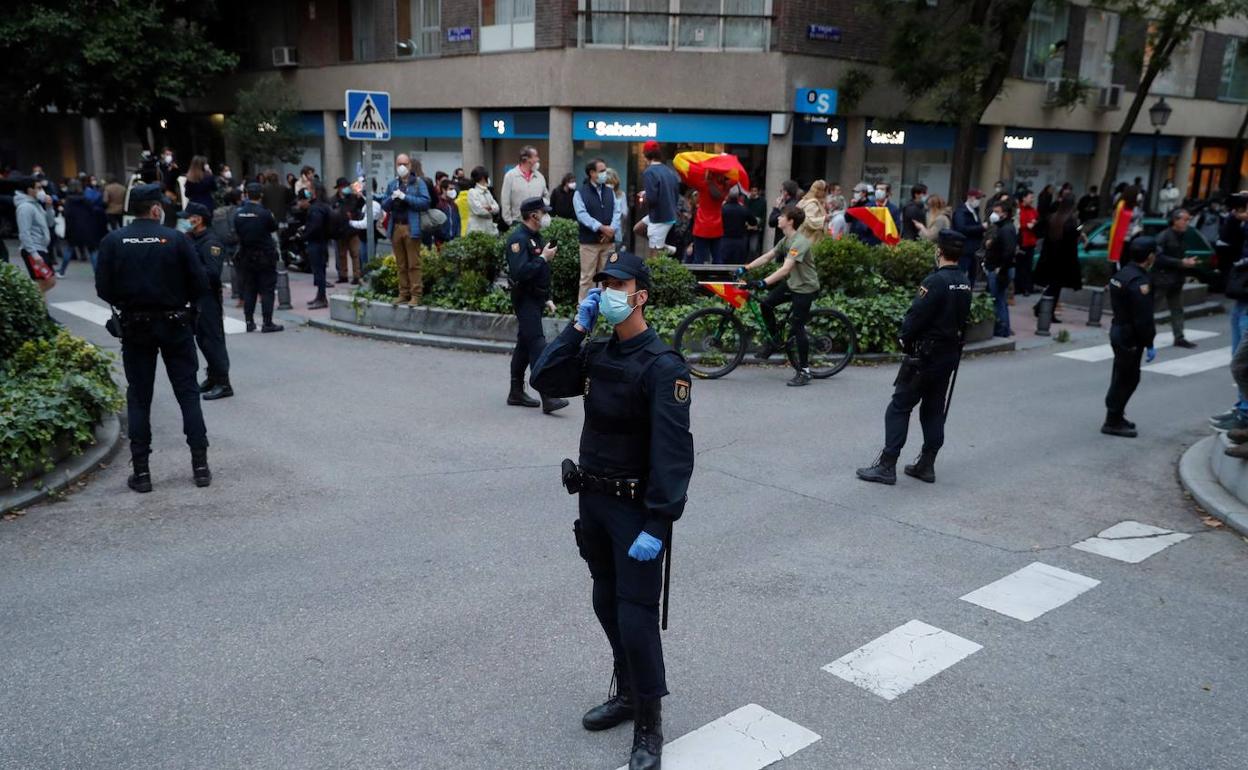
column 206, row 385
column 251, row 325
column 883, row 472
column 618, row 708
column 924, row 468
column 141, row 479
column 220, row 389
column 270, row 327
column 517, row 396
column 199, row 467
column 553, row 404
column 647, row 736
column 1117, row 425
column 318, row 302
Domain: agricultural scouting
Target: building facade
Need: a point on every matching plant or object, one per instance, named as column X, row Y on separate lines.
column 472, row 81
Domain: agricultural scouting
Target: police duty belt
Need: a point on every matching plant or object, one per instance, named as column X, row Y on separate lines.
column 576, row 481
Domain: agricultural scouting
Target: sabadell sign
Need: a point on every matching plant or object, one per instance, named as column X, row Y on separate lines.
column 615, row 128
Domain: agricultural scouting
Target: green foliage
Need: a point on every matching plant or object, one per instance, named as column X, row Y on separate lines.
column 907, row 263
column 479, row 252
column 854, row 85
column 22, row 313
column 265, row 123
column 565, row 268
column 382, row 279
column 126, row 57
column 53, row 391
column 672, row 283
column 1071, row 92
column 848, row 265
column 877, row 318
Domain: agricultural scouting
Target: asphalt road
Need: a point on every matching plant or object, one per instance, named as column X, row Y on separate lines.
column 383, row 575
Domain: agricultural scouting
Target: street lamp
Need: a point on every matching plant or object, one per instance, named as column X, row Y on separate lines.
column 1158, row 115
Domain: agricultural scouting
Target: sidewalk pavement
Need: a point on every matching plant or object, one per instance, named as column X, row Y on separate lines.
column 302, row 291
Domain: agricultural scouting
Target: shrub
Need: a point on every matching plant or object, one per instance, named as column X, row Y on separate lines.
column 23, row 316
column 565, row 268
column 672, row 283
column 848, row 265
column 479, row 252
column 877, row 319
column 382, row 277
column 907, row 263
column 52, row 391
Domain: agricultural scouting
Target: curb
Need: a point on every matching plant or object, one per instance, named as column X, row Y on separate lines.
column 107, row 440
column 993, row 345
column 1196, row 476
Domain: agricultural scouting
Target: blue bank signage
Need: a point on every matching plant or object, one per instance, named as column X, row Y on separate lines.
column 670, row 127
column 522, row 124
column 815, row 101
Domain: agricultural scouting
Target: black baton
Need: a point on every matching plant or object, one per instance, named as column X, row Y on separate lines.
column 667, row 575
column 952, row 382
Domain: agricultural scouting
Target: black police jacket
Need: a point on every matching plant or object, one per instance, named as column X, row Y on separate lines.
column 529, row 273
column 1130, row 293
column 938, row 315
column 255, row 226
column 637, row 395
column 147, row 266
column 211, row 253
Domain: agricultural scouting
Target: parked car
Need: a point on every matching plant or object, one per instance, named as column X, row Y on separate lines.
column 1094, row 247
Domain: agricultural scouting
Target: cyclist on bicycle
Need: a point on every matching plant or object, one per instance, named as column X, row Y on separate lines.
column 794, row 281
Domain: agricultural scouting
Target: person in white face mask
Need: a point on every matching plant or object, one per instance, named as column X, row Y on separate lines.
column 406, row 196
column 522, row 182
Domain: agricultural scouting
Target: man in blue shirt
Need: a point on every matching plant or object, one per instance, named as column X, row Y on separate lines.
column 406, row 196
column 661, row 188
column 597, row 221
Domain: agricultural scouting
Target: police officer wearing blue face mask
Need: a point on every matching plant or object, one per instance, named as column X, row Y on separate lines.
column 151, row 274
column 636, row 458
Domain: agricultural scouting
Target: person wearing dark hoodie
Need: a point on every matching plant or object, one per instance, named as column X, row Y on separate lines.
column 317, row 233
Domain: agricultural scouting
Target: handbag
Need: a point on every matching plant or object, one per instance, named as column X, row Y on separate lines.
column 432, row 220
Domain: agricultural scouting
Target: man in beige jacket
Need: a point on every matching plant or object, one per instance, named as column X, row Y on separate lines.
column 521, row 183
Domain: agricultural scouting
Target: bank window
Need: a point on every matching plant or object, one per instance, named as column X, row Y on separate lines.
column 418, row 28
column 1179, row 79
column 507, row 25
column 1234, row 86
column 1100, row 38
column 701, row 25
column 1046, row 40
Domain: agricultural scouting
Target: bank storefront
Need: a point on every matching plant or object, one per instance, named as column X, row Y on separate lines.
column 818, row 144
column 911, row 153
column 1035, row 158
column 505, row 132
column 435, row 139
column 617, row 138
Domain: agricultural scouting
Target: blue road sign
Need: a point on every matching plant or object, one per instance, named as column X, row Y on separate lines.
column 368, row 116
column 815, row 101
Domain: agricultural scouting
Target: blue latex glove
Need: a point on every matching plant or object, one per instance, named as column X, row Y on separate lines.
column 741, row 272
column 645, row 547
column 587, row 311
column 1150, row 354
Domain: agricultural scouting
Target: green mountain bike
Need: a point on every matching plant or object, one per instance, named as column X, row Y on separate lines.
column 713, row 340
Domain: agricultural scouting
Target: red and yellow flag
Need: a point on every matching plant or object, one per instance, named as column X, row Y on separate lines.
column 729, row 292
column 1118, row 229
column 879, row 220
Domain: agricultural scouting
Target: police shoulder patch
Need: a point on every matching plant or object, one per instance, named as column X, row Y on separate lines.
column 216, row 250
column 1144, row 288
column 681, row 391
column 515, row 247
column 922, row 291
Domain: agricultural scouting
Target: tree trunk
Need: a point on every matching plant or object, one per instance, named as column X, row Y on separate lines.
column 1235, row 161
column 963, row 158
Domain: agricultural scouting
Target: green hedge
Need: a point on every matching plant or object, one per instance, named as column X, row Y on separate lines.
column 22, row 313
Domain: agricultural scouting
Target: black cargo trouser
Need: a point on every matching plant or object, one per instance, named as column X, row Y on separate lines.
column 1124, row 380
column 928, row 390
column 142, row 342
column 258, row 282
column 530, row 339
column 210, row 335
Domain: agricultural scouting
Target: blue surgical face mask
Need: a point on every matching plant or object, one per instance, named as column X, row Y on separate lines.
column 880, row 195
column 614, row 305
column 184, row 225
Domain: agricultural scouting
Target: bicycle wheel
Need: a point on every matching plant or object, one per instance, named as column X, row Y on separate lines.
column 712, row 340
column 833, row 342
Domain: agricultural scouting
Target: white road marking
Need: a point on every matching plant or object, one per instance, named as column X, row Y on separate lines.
column 1131, row 541
column 749, row 738
column 904, row 657
column 1030, row 592
column 1195, row 364
column 1106, row 352
column 99, row 314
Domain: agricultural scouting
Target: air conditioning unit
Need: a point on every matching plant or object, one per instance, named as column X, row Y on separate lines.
column 285, row 56
column 1109, row 98
column 1052, row 91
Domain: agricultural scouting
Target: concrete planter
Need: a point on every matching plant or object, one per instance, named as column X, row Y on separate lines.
column 979, row 332
column 1193, row 294
column 432, row 320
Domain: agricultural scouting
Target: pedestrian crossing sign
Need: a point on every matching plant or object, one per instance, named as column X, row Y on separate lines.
column 368, row 116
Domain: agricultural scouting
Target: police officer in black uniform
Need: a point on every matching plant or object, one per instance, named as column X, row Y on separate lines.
column 636, row 458
column 931, row 336
column 1131, row 334
column 150, row 274
column 210, row 326
column 528, row 267
column 257, row 258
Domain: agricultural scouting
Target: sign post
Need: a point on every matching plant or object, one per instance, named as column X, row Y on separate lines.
column 368, row 120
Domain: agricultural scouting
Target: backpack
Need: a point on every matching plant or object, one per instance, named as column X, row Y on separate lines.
column 223, row 224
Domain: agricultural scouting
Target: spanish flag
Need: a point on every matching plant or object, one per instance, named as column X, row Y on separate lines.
column 1119, row 229
column 880, row 220
column 729, row 292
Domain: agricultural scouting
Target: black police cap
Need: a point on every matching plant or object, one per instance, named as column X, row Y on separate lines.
column 625, row 265
column 254, row 189
column 1140, row 247
column 147, row 193
column 951, row 241
column 532, row 204
column 195, row 210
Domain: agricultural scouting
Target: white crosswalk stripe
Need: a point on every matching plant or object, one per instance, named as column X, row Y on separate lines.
column 904, row 657
column 1106, row 352
column 749, row 738
column 99, row 314
column 1031, row 591
column 1131, row 541
column 1193, row 364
